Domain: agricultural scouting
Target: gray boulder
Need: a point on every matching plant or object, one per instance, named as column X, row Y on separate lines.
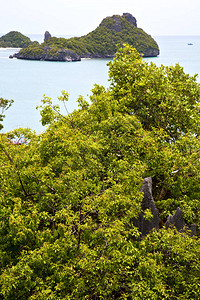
column 193, row 229
column 177, row 221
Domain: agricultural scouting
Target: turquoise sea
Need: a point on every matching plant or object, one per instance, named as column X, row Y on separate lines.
column 27, row 81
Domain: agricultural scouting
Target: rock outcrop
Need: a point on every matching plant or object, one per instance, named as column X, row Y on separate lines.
column 145, row 226
column 47, row 36
column 132, row 20
column 115, row 25
column 178, row 222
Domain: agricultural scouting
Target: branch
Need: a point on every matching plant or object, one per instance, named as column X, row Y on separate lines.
column 52, row 189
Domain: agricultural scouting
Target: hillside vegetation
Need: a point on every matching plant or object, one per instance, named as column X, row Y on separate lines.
column 102, row 42
column 69, row 196
column 104, row 39
column 15, row 39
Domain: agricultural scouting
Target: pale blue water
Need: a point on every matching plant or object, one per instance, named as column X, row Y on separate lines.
column 175, row 49
column 27, row 81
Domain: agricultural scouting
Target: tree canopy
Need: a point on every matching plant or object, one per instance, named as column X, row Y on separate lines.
column 69, row 196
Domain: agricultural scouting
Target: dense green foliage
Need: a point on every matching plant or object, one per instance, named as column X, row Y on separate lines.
column 103, row 41
column 15, row 39
column 69, row 196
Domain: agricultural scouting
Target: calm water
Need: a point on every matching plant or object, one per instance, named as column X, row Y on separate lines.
column 27, row 81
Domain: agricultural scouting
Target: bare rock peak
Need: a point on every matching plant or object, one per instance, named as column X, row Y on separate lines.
column 117, row 21
column 47, row 35
column 130, row 18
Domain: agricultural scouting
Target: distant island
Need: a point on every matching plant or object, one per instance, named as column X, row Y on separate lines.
column 15, row 39
column 100, row 43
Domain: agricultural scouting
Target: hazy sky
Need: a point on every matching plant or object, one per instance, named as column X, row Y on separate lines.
column 78, row 17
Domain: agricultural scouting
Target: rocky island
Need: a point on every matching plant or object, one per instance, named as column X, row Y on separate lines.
column 15, row 39
column 100, row 43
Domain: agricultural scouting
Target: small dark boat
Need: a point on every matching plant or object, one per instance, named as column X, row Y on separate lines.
column 190, row 44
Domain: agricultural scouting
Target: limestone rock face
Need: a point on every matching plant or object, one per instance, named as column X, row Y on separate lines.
column 116, row 23
column 151, row 53
column 132, row 20
column 47, row 36
column 143, row 225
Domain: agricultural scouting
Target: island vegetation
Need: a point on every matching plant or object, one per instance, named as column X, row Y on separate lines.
column 15, row 39
column 102, row 42
column 69, row 196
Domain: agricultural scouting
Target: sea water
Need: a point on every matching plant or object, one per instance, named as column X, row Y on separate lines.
column 184, row 50
column 27, row 81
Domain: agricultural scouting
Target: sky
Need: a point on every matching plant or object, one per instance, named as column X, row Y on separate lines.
column 79, row 17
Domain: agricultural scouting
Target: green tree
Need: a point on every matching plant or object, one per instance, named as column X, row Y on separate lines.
column 161, row 97
column 166, row 101
column 69, row 196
